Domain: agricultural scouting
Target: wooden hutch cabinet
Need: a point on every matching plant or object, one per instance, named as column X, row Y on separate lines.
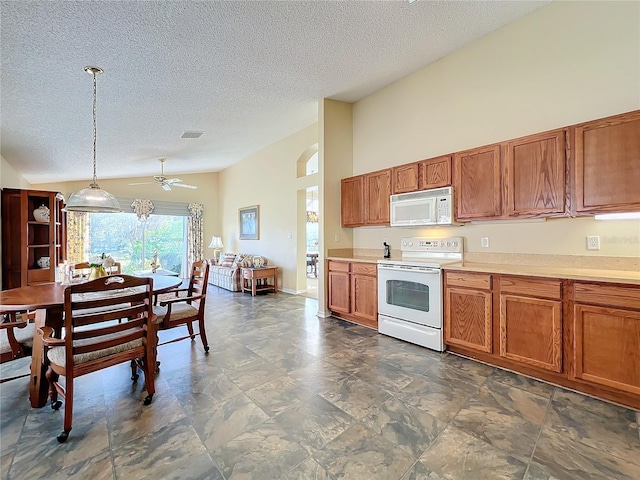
column 27, row 241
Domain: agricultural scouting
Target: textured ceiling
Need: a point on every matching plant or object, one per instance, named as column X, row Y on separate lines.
column 245, row 73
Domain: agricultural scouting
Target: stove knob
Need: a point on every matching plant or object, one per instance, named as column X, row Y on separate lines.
column 411, row 244
column 448, row 244
column 404, row 244
column 455, row 244
column 441, row 244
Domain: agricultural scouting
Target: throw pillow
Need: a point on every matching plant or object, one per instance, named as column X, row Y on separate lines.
column 226, row 259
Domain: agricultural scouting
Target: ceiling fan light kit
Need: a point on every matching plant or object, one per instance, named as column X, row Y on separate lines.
column 93, row 199
column 164, row 182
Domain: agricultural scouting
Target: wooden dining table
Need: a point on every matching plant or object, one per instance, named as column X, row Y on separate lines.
column 48, row 301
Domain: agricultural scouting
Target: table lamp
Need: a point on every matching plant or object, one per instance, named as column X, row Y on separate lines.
column 216, row 244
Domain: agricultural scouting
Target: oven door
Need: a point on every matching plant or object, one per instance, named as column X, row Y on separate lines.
column 413, row 294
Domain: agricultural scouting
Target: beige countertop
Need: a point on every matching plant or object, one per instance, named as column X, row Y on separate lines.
column 592, row 274
column 583, row 271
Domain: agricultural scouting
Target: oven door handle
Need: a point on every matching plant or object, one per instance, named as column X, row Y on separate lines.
column 402, row 268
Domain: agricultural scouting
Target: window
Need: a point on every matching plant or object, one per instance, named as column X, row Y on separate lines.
column 132, row 243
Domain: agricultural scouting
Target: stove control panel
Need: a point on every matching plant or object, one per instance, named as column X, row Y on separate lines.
column 433, row 245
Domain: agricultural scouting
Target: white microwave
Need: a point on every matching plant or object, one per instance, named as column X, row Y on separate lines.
column 426, row 207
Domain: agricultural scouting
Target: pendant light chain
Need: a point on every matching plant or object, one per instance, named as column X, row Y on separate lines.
column 95, row 130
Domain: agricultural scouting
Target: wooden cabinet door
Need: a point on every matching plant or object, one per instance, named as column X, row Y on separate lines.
column 352, row 201
column 534, row 175
column 435, row 172
column 376, row 197
column 467, row 319
column 477, row 183
column 339, row 292
column 364, row 299
column 607, row 346
column 607, row 169
column 405, row 178
column 531, row 331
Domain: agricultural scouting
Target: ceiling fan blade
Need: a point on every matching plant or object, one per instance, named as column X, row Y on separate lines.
column 166, row 187
column 141, row 183
column 171, row 181
column 184, row 185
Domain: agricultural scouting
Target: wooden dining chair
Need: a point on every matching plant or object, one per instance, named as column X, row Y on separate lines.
column 16, row 337
column 93, row 339
column 185, row 310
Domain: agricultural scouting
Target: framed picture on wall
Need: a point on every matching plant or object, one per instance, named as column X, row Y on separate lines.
column 249, row 222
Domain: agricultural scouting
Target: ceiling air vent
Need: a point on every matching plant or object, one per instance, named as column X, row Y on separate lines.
column 191, row 134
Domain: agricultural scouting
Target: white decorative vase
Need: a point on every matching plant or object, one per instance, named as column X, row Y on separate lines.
column 42, row 214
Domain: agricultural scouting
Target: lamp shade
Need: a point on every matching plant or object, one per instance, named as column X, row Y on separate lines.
column 93, row 200
column 216, row 242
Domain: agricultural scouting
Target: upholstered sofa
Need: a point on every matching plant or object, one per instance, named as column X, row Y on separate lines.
column 225, row 273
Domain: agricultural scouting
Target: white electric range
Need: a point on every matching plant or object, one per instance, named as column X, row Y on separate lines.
column 410, row 290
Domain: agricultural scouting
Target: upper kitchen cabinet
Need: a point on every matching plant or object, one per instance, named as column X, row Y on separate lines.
column 476, row 180
column 435, row 173
column 376, row 197
column 533, row 175
column 352, row 201
column 405, row 178
column 607, row 164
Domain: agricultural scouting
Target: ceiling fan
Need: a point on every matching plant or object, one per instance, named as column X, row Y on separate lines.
column 165, row 182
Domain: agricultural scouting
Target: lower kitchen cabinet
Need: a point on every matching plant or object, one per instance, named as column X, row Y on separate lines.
column 607, row 336
column 468, row 311
column 531, row 326
column 581, row 335
column 353, row 292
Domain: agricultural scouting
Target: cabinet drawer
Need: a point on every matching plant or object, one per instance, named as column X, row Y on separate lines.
column 532, row 287
column 338, row 266
column 364, row 268
column 595, row 294
column 469, row 280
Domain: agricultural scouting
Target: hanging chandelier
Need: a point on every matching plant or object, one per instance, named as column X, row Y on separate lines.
column 93, row 199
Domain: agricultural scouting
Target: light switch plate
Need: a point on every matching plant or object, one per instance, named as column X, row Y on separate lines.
column 593, row 242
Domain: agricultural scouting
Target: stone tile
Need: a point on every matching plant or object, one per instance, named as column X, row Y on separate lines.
column 390, row 378
column 129, row 418
column 283, row 355
column 355, row 397
column 314, row 423
column 562, row 457
column 263, row 452
column 308, row 470
column 458, row 455
column 501, row 415
column 99, row 467
column 198, row 468
column 523, row 383
column 226, row 420
column 455, row 368
column 347, row 360
column 605, row 427
column 362, row 454
column 420, row 472
column 405, row 426
column 441, row 399
column 159, row 453
column 254, row 373
column 202, row 388
column 279, row 394
column 319, row 376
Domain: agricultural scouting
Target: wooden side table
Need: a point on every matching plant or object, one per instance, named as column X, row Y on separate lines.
column 256, row 279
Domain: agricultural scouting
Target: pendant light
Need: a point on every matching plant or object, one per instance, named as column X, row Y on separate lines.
column 93, row 199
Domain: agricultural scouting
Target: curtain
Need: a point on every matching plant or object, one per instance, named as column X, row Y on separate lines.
column 76, row 233
column 195, row 233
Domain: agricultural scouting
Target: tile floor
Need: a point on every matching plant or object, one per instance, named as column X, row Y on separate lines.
column 284, row 394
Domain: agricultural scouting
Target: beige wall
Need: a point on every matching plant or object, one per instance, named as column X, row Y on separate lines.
column 565, row 63
column 10, row 177
column 268, row 179
column 207, row 193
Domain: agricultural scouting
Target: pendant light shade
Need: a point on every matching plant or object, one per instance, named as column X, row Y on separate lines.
column 93, row 199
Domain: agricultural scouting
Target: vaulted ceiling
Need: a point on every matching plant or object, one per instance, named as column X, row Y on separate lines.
column 246, row 73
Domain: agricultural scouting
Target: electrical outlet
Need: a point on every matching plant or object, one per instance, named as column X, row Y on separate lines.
column 484, row 242
column 290, row 235
column 336, row 237
column 593, row 242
